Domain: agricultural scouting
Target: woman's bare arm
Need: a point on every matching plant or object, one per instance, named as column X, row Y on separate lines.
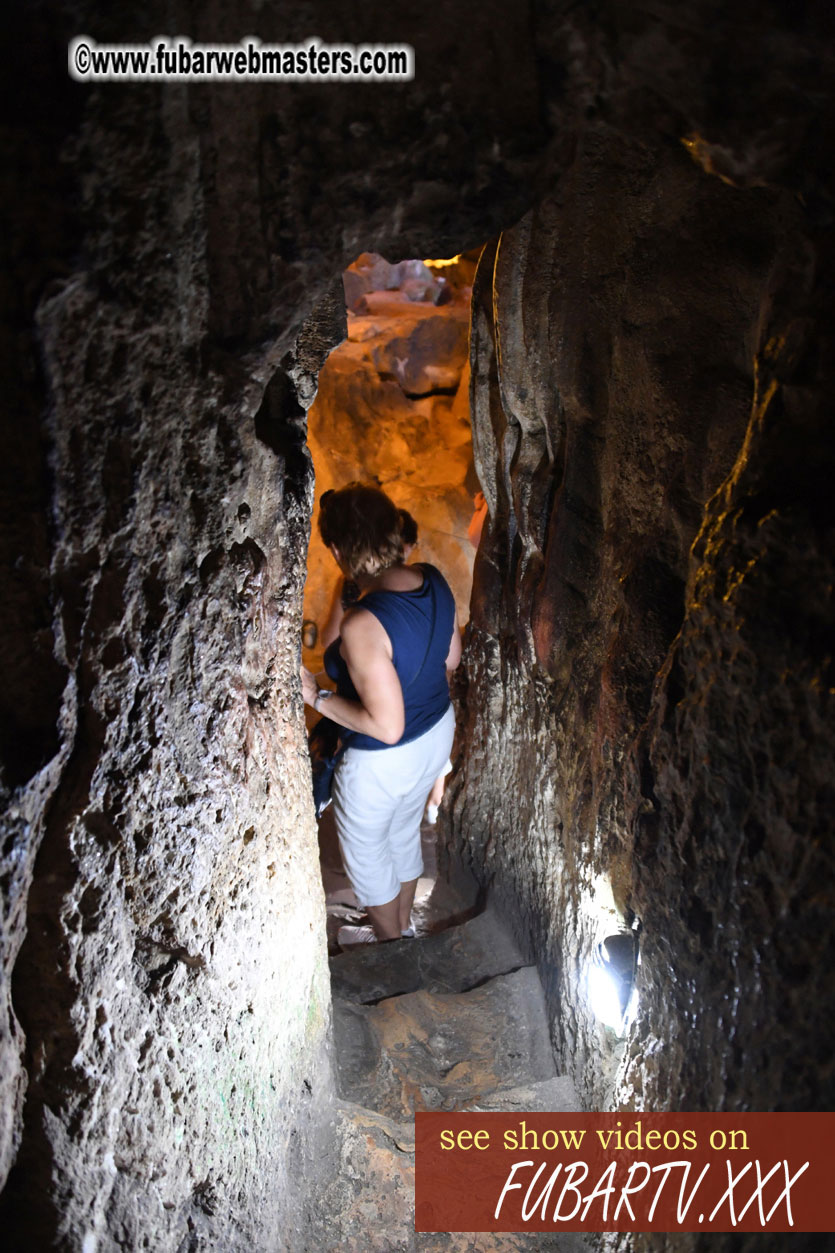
column 379, row 712
column 454, row 655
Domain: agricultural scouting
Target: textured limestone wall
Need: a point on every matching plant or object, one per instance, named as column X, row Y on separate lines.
column 169, row 986
column 174, row 858
column 164, row 1033
column 649, row 367
column 735, row 762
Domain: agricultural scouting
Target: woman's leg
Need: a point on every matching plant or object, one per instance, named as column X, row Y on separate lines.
column 437, row 793
column 392, row 919
column 406, row 900
column 378, row 804
column 385, row 919
column 428, row 755
column 433, row 804
column 363, row 810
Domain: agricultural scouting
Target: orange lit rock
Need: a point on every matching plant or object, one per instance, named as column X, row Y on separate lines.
column 393, row 407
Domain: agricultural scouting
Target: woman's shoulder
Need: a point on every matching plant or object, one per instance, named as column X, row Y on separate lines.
column 362, row 630
column 359, row 619
column 399, row 579
column 434, row 575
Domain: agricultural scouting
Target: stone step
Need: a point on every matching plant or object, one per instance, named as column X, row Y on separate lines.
column 549, row 1096
column 368, row 1204
column 433, row 1050
column 455, row 960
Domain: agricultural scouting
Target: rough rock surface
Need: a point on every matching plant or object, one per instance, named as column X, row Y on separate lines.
column 648, row 362
column 483, row 1049
column 164, row 855
column 165, row 1020
column 454, row 960
column 374, row 1192
column 425, row 1050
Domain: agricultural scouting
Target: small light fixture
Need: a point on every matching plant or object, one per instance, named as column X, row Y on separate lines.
column 611, row 980
column 310, row 633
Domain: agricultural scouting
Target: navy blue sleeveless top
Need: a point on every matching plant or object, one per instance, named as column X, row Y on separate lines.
column 419, row 625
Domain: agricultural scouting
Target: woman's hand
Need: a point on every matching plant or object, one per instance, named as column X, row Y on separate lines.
column 310, row 688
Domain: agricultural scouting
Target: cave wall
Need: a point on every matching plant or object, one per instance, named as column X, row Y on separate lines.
column 167, row 1039
column 175, row 259
column 658, row 507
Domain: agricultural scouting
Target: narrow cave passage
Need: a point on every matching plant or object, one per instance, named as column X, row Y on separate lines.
column 392, row 409
column 454, row 1017
column 584, row 653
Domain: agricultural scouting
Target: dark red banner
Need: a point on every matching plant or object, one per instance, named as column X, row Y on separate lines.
column 624, row 1172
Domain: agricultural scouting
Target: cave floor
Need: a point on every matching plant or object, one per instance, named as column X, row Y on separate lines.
column 437, row 905
column 452, row 1020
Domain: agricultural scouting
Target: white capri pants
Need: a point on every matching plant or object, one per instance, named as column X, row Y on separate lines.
column 378, row 799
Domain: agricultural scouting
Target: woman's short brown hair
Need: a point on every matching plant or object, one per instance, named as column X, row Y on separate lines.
column 364, row 526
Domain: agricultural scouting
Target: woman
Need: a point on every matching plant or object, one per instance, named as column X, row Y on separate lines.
column 390, row 667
